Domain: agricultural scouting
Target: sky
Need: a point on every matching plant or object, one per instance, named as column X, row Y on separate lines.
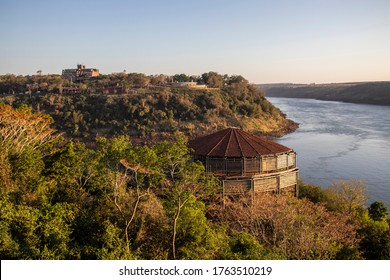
column 263, row 40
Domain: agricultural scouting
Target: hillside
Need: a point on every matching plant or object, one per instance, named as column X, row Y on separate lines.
column 377, row 93
column 155, row 113
column 64, row 200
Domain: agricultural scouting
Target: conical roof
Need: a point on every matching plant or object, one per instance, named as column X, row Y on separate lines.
column 234, row 142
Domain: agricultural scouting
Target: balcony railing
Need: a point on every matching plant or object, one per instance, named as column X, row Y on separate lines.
column 274, row 182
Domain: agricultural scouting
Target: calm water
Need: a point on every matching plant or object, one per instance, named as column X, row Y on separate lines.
column 338, row 140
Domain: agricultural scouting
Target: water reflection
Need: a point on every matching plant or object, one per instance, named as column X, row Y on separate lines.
column 341, row 141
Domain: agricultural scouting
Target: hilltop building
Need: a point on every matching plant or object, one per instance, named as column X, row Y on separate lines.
column 247, row 163
column 80, row 73
column 191, row 85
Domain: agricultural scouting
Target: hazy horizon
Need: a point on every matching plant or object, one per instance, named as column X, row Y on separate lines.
column 264, row 41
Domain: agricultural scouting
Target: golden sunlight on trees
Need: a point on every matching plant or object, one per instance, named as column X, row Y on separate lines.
column 21, row 128
column 292, row 228
column 349, row 195
column 118, row 200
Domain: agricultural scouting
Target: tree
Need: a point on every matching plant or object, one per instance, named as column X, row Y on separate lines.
column 348, row 195
column 313, row 193
column 134, row 172
column 20, row 128
column 378, row 211
column 127, row 200
column 196, row 238
column 31, row 226
column 114, row 246
column 35, row 232
column 158, row 80
column 25, row 138
column 182, row 189
column 291, row 228
column 375, row 238
column 185, row 180
column 238, row 79
column 138, row 80
column 74, row 168
column 181, row 78
column 244, row 246
column 174, row 158
column 213, row 79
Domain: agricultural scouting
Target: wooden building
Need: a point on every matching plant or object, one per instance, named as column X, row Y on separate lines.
column 247, row 163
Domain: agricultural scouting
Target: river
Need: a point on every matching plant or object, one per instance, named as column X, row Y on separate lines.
column 340, row 141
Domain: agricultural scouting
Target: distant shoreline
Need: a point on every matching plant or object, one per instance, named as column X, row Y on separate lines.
column 374, row 93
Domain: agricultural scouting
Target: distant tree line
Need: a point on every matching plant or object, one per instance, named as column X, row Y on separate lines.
column 12, row 84
column 32, row 84
column 377, row 93
column 150, row 112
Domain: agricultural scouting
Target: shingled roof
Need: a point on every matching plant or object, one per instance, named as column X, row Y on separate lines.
column 234, row 142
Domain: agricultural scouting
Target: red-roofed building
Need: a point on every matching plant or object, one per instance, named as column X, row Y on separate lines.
column 80, row 73
column 247, row 162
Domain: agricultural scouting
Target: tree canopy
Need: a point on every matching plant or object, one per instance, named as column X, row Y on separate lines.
column 114, row 198
column 147, row 107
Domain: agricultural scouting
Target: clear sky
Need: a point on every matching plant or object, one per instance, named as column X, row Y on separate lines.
column 265, row 41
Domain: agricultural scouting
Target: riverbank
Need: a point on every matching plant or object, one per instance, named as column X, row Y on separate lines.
column 374, row 93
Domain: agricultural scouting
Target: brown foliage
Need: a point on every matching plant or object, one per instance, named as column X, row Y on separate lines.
column 20, row 128
column 297, row 229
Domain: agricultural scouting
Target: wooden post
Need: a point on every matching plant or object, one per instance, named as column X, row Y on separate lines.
column 223, row 194
column 295, row 159
column 253, row 190
column 260, row 165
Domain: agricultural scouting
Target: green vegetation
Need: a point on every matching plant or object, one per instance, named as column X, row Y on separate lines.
column 377, row 93
column 152, row 109
column 373, row 230
column 62, row 200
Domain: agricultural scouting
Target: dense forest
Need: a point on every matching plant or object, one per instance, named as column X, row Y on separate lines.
column 376, row 93
column 151, row 108
column 62, row 200
column 112, row 196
